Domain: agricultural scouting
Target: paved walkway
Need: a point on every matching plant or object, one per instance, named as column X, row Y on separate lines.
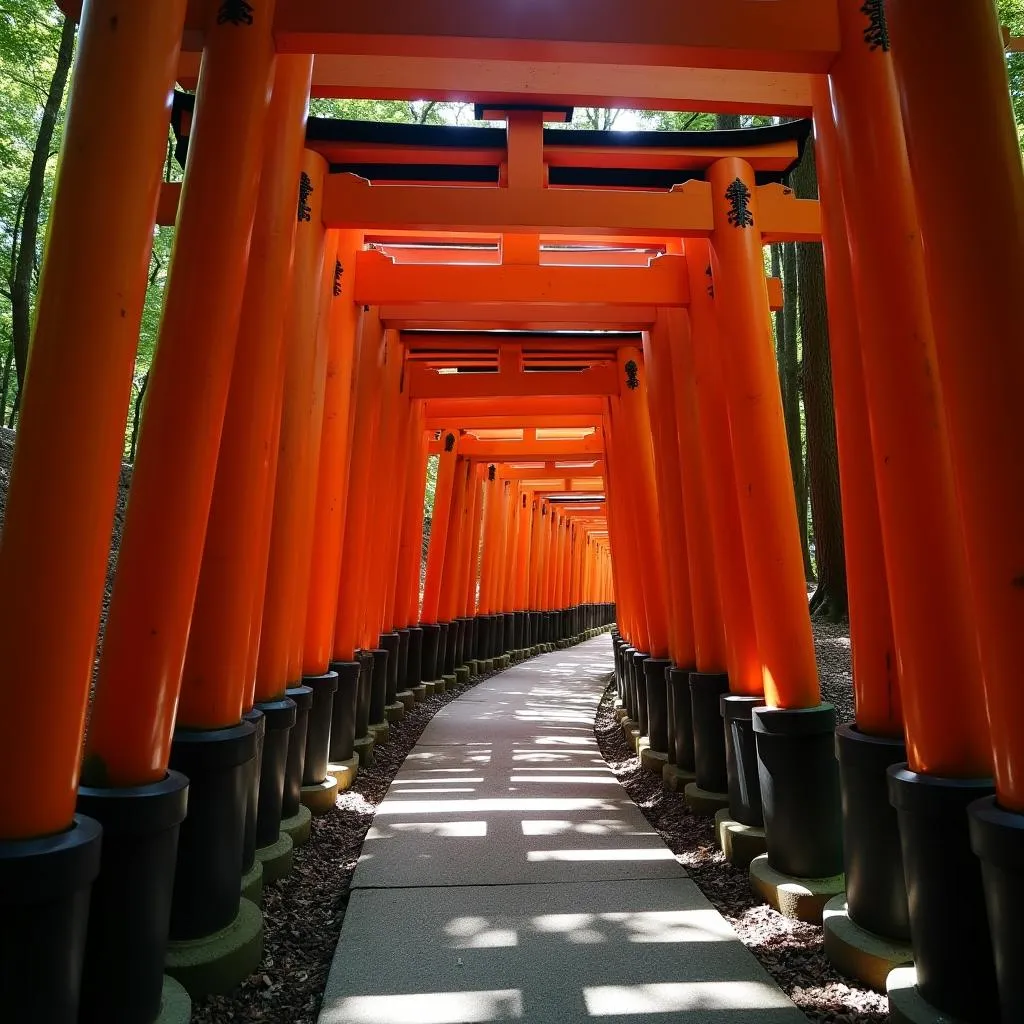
column 508, row 876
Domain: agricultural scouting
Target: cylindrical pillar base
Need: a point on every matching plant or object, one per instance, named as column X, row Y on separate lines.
column 741, row 759
column 252, row 792
column 681, row 721
column 876, row 892
column 279, row 716
column 44, row 915
column 291, row 797
column 949, row 926
column 414, row 666
column 364, row 693
column 800, row 789
column 389, row 642
column 379, row 686
column 207, row 872
column 403, row 661
column 657, row 702
column 343, row 711
column 428, row 661
column 706, row 692
column 318, row 728
column 640, row 682
column 130, row 906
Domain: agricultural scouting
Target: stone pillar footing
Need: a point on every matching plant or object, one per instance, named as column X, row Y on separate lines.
column 395, row 712
column 175, row 1003
column 653, row 760
column 420, row 693
column 319, row 798
column 449, row 681
column 276, row 858
column 740, row 843
column 217, row 963
column 907, row 1005
column 344, row 772
column 252, row 883
column 407, row 699
column 298, row 826
column 801, row 899
column 857, row 953
column 380, row 731
column 363, row 748
column 462, row 674
column 704, row 802
column 676, row 779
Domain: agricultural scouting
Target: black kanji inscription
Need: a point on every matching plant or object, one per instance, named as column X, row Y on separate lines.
column 235, row 12
column 305, row 191
column 492, row 472
column 449, row 443
column 739, row 205
column 876, row 34
column 632, row 378
column 338, row 271
column 711, row 282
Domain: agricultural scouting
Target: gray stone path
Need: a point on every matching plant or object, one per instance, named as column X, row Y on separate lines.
column 508, row 876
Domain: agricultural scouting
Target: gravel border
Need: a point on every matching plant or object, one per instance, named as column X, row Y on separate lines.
column 303, row 913
column 791, row 951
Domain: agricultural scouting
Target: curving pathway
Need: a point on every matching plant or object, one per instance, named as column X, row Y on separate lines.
column 508, row 876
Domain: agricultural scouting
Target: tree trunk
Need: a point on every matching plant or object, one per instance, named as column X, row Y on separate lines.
column 829, row 599
column 137, row 416
column 21, row 292
column 789, row 374
column 725, row 121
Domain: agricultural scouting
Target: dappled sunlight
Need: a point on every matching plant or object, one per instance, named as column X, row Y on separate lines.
column 679, row 997
column 442, row 829
column 537, row 856
column 427, row 1008
column 479, row 933
column 597, row 827
column 515, row 805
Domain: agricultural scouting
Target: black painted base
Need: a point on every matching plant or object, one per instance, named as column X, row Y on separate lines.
column 252, row 792
column 744, row 785
column 318, row 727
column 291, row 795
column 681, row 717
column 414, row 666
column 948, row 920
column 390, row 642
column 876, row 892
column 44, row 911
column 997, row 837
column 429, row 649
column 656, row 690
column 343, row 711
column 379, row 686
column 279, row 716
column 217, row 764
column 800, row 789
column 706, row 692
column 130, row 908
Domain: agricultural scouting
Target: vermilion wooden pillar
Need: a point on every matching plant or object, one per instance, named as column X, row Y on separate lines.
column 351, row 595
column 52, row 564
column 216, row 684
column 671, row 516
column 470, row 577
column 439, row 525
column 412, row 539
column 172, row 483
column 763, row 480
column 699, row 363
column 301, row 419
column 932, row 613
column 335, row 454
column 970, row 192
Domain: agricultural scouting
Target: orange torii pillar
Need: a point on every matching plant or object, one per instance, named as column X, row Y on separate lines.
column 408, row 596
column 375, row 634
column 634, row 441
column 434, row 632
column 970, row 299
column 627, row 544
column 682, row 602
column 698, row 376
column 449, row 598
column 509, row 572
column 933, row 614
column 467, row 581
column 456, row 609
column 364, row 410
column 405, row 597
column 70, row 442
column 279, row 693
column 489, row 568
column 876, row 893
column 140, row 671
column 219, row 677
column 522, row 571
column 537, row 519
column 330, row 730
column 794, row 733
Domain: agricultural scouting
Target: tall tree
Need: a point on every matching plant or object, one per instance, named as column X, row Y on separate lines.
column 27, row 255
column 829, row 600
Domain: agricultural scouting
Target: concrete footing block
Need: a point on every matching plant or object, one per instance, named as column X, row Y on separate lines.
column 175, row 1003
column 380, row 731
column 344, row 772
column 857, row 953
column 319, row 797
column 676, row 779
column 653, row 761
column 907, row 1005
column 704, row 802
column 408, row 699
column 740, row 843
column 449, row 681
column 276, row 858
column 420, row 693
column 395, row 712
column 298, row 826
column 217, row 963
column 363, row 747
column 474, row 668
column 462, row 675
column 801, row 899
column 252, row 883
